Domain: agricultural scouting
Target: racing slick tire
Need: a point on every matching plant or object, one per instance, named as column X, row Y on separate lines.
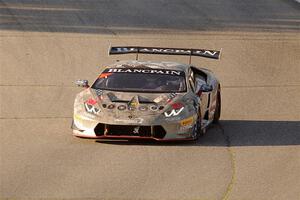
column 198, row 132
column 218, row 108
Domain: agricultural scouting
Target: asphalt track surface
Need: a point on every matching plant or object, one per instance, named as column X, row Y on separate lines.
column 253, row 153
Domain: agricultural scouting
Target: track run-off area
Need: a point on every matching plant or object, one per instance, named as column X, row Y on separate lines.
column 253, row 153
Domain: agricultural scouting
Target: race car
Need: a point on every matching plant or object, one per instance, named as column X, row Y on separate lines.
column 162, row 101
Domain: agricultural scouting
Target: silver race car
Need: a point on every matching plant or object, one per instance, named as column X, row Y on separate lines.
column 149, row 100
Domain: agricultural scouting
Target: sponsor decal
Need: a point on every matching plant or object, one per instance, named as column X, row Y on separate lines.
column 131, row 120
column 143, row 71
column 91, row 101
column 173, row 112
column 136, row 130
column 99, row 92
column 177, row 109
column 177, row 106
column 133, row 103
column 91, row 109
column 171, row 97
column 111, row 106
column 173, row 119
column 153, row 108
column 169, row 51
column 105, row 75
column 122, row 107
column 166, row 98
column 161, row 98
column 112, row 97
column 186, row 127
column 187, row 121
column 143, row 108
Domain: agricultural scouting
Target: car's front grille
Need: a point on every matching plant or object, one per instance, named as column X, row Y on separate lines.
column 125, row 130
column 128, row 130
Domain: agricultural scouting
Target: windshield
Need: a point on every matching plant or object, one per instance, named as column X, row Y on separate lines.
column 141, row 80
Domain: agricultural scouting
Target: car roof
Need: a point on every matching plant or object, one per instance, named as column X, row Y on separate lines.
column 150, row 64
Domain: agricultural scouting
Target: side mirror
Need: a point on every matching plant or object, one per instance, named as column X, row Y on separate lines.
column 204, row 88
column 82, row 83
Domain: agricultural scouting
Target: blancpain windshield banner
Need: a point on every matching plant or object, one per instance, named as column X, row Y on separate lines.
column 144, row 71
column 168, row 51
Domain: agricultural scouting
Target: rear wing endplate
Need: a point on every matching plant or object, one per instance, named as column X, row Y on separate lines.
column 166, row 51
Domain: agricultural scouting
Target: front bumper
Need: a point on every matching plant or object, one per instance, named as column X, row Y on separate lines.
column 171, row 131
column 83, row 135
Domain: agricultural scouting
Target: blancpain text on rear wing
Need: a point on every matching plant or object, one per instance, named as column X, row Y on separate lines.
column 167, row 51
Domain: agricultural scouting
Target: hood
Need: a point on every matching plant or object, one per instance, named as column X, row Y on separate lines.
column 124, row 102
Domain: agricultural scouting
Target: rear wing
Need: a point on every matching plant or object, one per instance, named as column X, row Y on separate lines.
column 166, row 51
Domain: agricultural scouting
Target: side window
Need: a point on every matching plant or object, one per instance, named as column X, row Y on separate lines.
column 199, row 79
column 192, row 80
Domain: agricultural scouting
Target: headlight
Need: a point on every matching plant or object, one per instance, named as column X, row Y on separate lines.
column 177, row 108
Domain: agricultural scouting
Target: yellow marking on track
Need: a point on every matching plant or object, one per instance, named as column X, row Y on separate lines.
column 233, row 176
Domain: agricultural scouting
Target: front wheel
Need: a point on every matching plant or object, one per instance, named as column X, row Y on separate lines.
column 198, row 132
column 218, row 108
